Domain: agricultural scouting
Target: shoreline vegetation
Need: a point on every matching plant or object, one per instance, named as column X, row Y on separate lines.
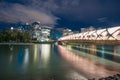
column 18, row 37
column 24, row 43
column 10, row 36
column 8, row 43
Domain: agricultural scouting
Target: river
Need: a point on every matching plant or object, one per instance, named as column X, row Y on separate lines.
column 56, row 62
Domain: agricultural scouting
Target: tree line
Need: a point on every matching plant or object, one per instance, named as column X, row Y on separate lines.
column 15, row 36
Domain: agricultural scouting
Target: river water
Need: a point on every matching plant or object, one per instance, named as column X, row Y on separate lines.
column 56, row 62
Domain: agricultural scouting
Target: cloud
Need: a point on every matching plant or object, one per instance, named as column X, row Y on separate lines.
column 102, row 19
column 15, row 13
column 83, row 11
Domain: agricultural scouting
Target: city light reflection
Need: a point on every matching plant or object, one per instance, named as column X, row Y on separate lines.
column 88, row 67
column 116, row 52
column 45, row 52
column 11, row 54
column 92, row 49
column 35, row 53
column 11, row 58
column 26, row 57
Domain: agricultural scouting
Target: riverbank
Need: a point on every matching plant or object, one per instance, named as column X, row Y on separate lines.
column 17, row 43
column 114, row 77
column 21, row 43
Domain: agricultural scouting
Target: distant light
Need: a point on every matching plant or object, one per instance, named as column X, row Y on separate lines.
column 42, row 40
column 69, row 30
column 11, row 28
column 27, row 23
column 38, row 22
column 47, row 39
column 39, row 27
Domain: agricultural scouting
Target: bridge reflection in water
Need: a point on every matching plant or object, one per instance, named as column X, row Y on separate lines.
column 91, row 66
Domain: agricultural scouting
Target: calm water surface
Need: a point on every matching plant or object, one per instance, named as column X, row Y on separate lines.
column 50, row 62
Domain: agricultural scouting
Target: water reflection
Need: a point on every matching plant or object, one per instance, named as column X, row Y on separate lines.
column 11, row 58
column 88, row 67
column 117, row 48
column 20, row 58
column 45, row 53
column 11, row 54
column 42, row 52
column 110, row 52
column 35, row 59
column 26, row 58
column 103, row 52
column 44, row 62
column 92, row 49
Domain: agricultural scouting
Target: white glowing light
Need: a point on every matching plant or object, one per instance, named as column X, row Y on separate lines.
column 11, row 28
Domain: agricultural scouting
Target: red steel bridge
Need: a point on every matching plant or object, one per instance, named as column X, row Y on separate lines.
column 102, row 36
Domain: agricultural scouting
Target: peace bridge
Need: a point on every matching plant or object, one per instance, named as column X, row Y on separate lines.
column 102, row 36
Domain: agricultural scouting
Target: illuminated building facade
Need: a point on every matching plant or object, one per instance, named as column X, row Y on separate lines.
column 40, row 33
column 67, row 32
column 36, row 30
column 45, row 33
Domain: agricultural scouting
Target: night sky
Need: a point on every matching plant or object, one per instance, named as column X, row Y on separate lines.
column 72, row 14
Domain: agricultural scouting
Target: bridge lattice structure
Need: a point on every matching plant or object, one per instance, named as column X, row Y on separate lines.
column 107, row 34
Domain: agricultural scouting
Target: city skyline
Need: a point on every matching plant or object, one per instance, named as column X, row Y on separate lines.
column 61, row 14
column 59, row 40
